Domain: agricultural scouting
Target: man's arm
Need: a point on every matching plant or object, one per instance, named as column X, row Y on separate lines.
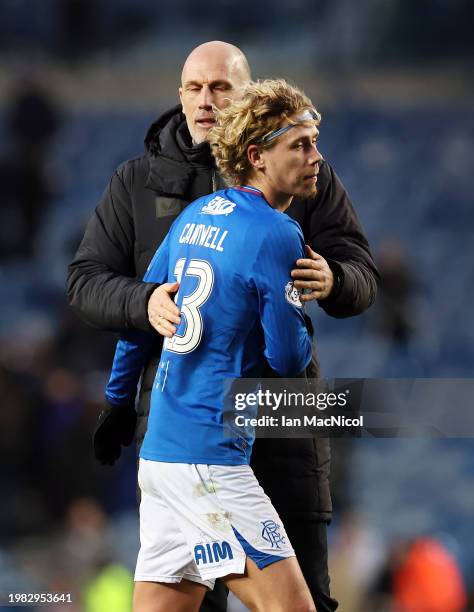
column 116, row 424
column 131, row 355
column 134, row 347
column 287, row 342
column 100, row 284
column 342, row 261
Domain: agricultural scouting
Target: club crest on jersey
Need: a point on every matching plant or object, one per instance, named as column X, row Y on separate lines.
column 292, row 295
column 218, row 206
column 271, row 533
column 212, row 553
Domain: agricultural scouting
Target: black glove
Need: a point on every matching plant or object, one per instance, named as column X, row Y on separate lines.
column 115, row 427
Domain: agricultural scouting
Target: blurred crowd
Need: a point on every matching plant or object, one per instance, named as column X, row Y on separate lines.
column 31, row 121
column 74, row 30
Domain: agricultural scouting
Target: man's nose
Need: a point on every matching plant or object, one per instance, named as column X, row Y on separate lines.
column 205, row 98
column 315, row 157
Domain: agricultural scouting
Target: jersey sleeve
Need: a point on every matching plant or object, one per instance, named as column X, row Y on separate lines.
column 132, row 353
column 134, row 348
column 287, row 342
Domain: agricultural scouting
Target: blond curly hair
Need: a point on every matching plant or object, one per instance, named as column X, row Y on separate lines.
column 265, row 106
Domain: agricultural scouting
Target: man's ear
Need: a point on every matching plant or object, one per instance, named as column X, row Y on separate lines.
column 180, row 92
column 255, row 157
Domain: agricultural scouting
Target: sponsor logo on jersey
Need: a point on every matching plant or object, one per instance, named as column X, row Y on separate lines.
column 271, row 533
column 218, row 206
column 212, row 553
column 292, row 295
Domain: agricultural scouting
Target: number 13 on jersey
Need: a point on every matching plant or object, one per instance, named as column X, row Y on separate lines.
column 190, row 339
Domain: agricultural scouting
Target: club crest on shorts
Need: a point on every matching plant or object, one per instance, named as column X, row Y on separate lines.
column 271, row 533
column 292, row 295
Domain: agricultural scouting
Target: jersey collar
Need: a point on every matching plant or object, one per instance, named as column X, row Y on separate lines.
column 249, row 189
column 254, row 191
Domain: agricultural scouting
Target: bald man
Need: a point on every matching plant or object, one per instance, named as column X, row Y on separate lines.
column 139, row 205
column 212, row 74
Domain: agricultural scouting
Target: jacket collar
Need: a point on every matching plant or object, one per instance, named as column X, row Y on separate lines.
column 173, row 159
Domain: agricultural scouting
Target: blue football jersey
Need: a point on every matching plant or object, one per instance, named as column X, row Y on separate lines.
column 232, row 254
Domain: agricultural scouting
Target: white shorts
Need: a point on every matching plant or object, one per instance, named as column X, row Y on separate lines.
column 200, row 522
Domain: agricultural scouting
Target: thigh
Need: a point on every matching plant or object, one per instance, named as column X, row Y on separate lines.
column 184, row 596
column 309, row 539
column 279, row 587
